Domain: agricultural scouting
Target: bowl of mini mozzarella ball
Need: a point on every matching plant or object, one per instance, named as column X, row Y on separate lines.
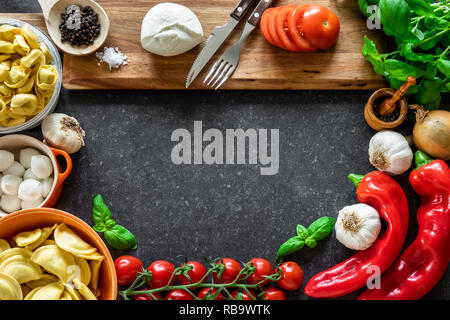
column 30, row 174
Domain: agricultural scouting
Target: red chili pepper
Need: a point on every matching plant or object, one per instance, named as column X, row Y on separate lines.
column 423, row 263
column 380, row 191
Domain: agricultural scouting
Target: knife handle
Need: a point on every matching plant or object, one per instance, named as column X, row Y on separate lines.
column 241, row 9
column 259, row 10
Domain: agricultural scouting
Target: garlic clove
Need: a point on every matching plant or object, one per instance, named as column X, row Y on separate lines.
column 63, row 132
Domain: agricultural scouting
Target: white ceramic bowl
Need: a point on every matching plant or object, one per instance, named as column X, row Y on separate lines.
column 56, row 62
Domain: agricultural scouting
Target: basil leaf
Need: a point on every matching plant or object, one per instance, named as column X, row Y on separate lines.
column 120, row 238
column 292, row 245
column 406, row 51
column 302, row 232
column 420, row 7
column 100, row 211
column 429, row 94
column 370, row 52
column 99, row 227
column 310, row 242
column 444, row 66
column 400, row 70
column 363, row 6
column 321, row 228
column 395, row 16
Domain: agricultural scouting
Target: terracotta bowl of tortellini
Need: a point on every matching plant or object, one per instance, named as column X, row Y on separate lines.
column 30, row 76
column 48, row 254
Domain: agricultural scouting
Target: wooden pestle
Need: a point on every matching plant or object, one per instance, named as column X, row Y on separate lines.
column 388, row 105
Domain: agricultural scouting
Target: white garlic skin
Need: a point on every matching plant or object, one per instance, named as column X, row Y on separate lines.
column 25, row 156
column 368, row 230
column 10, row 184
column 16, row 169
column 389, row 151
column 6, row 159
column 41, row 166
column 31, row 204
column 63, row 132
column 10, row 203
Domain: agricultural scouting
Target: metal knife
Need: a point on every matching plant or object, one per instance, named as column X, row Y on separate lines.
column 216, row 39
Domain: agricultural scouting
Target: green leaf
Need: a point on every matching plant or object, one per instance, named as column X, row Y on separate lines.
column 431, row 43
column 406, row 51
column 109, row 223
column 99, row 227
column 100, row 211
column 436, row 23
column 420, row 7
column 400, row 70
column 120, row 238
column 302, row 232
column 310, row 242
column 363, row 6
column 444, row 66
column 429, row 93
column 395, row 16
column 431, row 71
column 321, row 228
column 292, row 245
column 370, row 52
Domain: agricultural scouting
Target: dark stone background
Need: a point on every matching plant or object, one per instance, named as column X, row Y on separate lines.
column 211, row 211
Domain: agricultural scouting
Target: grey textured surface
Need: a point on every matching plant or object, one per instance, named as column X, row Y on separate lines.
column 210, row 211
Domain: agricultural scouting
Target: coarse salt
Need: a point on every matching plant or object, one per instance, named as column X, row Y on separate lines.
column 112, row 56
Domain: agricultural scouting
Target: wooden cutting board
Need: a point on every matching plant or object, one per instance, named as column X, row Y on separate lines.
column 262, row 66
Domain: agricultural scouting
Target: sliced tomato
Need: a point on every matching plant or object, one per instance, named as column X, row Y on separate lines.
column 321, row 26
column 295, row 27
column 272, row 27
column 281, row 25
column 264, row 26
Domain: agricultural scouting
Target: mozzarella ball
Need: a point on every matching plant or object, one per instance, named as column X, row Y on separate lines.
column 3, row 213
column 1, row 192
column 6, row 159
column 30, row 175
column 47, row 185
column 10, row 184
column 41, row 166
column 30, row 190
column 10, row 203
column 31, row 204
column 16, row 169
column 25, row 156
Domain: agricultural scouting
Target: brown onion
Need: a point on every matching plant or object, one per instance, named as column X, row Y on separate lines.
column 431, row 133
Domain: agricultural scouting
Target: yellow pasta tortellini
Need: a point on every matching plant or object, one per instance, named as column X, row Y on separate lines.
column 52, row 291
column 44, row 280
column 18, row 76
column 45, row 233
column 55, row 261
column 34, row 57
column 8, row 32
column 4, row 245
column 20, row 268
column 9, row 288
column 6, row 47
column 28, row 237
column 24, row 104
column 46, row 78
column 4, row 72
column 67, row 240
column 20, row 45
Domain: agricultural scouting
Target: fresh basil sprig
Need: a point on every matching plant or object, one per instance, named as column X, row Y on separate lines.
column 317, row 231
column 117, row 236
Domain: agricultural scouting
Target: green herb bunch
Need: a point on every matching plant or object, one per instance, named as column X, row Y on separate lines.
column 421, row 32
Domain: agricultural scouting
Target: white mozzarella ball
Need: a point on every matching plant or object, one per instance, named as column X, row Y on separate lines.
column 31, row 204
column 41, row 166
column 25, row 156
column 30, row 175
column 16, row 169
column 10, row 184
column 3, row 213
column 6, row 159
column 1, row 192
column 47, row 185
column 10, row 203
column 30, row 190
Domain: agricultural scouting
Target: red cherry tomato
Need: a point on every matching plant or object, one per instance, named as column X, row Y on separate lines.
column 161, row 273
column 272, row 293
column 196, row 274
column 179, row 295
column 244, row 295
column 232, row 269
column 295, row 27
column 281, row 25
column 263, row 268
column 208, row 291
column 147, row 296
column 127, row 269
column 321, row 26
column 291, row 276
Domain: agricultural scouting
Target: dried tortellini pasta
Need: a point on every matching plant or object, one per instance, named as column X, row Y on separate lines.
column 50, row 263
column 27, row 80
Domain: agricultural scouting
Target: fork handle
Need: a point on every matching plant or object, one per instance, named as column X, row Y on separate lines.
column 241, row 9
column 259, row 10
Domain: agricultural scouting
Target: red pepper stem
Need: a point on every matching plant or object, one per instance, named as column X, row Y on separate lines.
column 421, row 159
column 355, row 178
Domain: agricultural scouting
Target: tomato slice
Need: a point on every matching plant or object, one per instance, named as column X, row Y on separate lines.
column 281, row 24
column 264, row 26
column 295, row 26
column 272, row 27
column 321, row 26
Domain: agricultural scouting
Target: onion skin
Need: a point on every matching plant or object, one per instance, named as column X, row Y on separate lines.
column 431, row 133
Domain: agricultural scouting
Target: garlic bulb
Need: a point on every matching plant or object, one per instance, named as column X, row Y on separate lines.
column 357, row 226
column 63, row 132
column 389, row 152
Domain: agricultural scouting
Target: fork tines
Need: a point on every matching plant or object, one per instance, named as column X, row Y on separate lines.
column 220, row 72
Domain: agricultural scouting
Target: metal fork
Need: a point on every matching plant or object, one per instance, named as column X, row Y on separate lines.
column 228, row 62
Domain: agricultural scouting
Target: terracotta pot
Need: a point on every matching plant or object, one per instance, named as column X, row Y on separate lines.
column 43, row 217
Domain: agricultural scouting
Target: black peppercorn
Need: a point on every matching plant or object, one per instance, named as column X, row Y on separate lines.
column 79, row 25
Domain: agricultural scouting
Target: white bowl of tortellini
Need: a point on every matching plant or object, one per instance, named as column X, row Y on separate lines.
column 48, row 254
column 30, row 174
column 30, row 76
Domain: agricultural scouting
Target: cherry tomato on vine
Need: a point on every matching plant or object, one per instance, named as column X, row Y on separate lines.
column 243, row 295
column 127, row 269
column 263, row 268
column 295, row 27
column 291, row 276
column 231, row 271
column 196, row 274
column 147, row 296
column 179, row 294
column 206, row 291
column 161, row 273
column 321, row 26
column 272, row 293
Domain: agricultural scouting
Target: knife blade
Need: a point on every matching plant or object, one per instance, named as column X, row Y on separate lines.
column 216, row 39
